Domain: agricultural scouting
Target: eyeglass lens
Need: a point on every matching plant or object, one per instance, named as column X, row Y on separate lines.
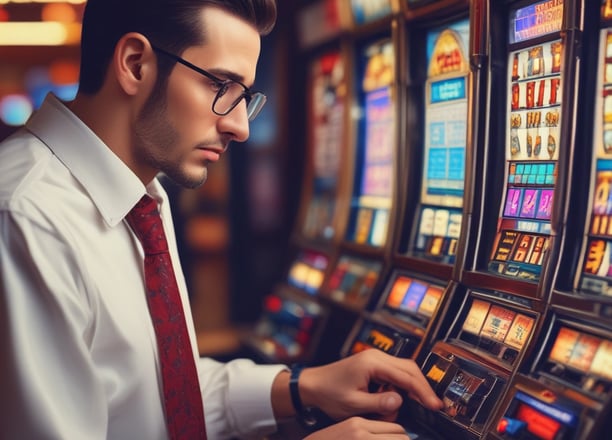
column 230, row 95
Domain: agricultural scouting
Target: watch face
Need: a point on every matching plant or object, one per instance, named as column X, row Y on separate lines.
column 314, row 419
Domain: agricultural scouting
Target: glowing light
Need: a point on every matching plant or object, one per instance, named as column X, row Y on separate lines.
column 58, row 12
column 64, row 72
column 15, row 109
column 74, row 2
column 39, row 33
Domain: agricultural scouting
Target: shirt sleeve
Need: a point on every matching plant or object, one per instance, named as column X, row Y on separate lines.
column 238, row 398
column 47, row 376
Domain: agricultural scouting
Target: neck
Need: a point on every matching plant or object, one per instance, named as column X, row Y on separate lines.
column 111, row 119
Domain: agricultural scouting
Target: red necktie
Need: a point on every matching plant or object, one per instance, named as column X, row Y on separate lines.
column 182, row 398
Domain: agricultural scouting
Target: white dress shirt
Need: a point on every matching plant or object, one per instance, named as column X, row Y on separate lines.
column 78, row 354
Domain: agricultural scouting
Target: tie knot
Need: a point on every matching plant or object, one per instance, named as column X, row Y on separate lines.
column 145, row 221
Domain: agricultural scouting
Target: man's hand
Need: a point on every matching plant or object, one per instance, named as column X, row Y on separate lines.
column 358, row 428
column 340, row 389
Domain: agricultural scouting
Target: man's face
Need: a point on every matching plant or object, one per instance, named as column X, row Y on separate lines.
column 177, row 132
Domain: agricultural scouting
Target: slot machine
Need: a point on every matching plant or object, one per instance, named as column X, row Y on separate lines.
column 292, row 319
column 525, row 63
column 362, row 253
column 565, row 390
column 434, row 77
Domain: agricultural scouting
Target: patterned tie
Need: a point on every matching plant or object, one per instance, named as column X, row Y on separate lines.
column 182, row 398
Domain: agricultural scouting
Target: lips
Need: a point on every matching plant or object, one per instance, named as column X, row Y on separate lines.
column 211, row 155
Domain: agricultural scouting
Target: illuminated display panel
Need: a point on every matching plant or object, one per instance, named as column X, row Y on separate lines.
column 595, row 273
column 578, row 358
column 286, row 328
column 365, row 11
column 532, row 143
column 373, row 189
column 602, row 361
column 495, row 330
column 308, row 270
column 498, row 323
column 373, row 335
column 536, row 20
column 529, row 417
column 353, row 280
column 583, row 352
column 327, row 96
column 476, row 316
column 446, row 109
column 410, row 297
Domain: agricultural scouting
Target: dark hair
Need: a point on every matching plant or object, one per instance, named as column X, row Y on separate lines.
column 174, row 25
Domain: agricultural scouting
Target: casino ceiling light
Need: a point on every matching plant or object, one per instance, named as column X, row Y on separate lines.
column 74, row 2
column 26, row 33
column 56, row 24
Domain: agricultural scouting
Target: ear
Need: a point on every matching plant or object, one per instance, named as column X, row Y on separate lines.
column 133, row 62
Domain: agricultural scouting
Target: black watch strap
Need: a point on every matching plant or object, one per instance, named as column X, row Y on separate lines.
column 294, row 390
column 309, row 417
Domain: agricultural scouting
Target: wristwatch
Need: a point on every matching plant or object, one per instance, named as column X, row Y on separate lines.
column 309, row 417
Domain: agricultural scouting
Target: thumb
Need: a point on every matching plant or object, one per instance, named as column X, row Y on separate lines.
column 388, row 402
column 382, row 403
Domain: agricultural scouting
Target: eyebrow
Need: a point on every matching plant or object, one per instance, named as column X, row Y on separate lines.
column 228, row 74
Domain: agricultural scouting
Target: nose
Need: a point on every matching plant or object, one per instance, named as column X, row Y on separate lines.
column 236, row 123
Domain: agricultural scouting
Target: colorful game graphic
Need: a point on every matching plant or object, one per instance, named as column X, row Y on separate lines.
column 579, row 359
column 328, row 106
column 445, row 141
column 372, row 335
column 286, row 327
column 307, row 271
column 530, row 417
column 532, row 153
column 498, row 331
column 373, row 190
column 596, row 274
column 353, row 280
column 535, row 103
column 410, row 296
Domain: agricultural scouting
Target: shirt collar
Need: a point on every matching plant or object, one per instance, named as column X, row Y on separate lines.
column 110, row 183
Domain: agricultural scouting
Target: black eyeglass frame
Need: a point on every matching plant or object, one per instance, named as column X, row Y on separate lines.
column 248, row 94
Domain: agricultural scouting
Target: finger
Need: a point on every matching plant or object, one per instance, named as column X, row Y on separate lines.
column 407, row 375
column 382, row 427
column 391, row 417
column 383, row 403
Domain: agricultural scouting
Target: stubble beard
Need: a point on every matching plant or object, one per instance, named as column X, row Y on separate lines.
column 154, row 135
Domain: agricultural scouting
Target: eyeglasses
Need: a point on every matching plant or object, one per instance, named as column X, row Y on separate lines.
column 229, row 92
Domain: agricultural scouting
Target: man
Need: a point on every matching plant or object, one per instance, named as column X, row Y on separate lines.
column 162, row 89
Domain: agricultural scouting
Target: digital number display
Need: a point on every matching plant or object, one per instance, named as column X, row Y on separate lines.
column 536, row 20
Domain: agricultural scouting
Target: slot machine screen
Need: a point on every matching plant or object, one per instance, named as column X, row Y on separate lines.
column 308, row 270
column 287, row 327
column 365, row 11
column 381, row 337
column 373, row 189
column 534, row 105
column 353, row 280
column 411, row 299
column 498, row 331
column 327, row 111
column 446, row 110
column 531, row 418
column 578, row 357
column 596, row 274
